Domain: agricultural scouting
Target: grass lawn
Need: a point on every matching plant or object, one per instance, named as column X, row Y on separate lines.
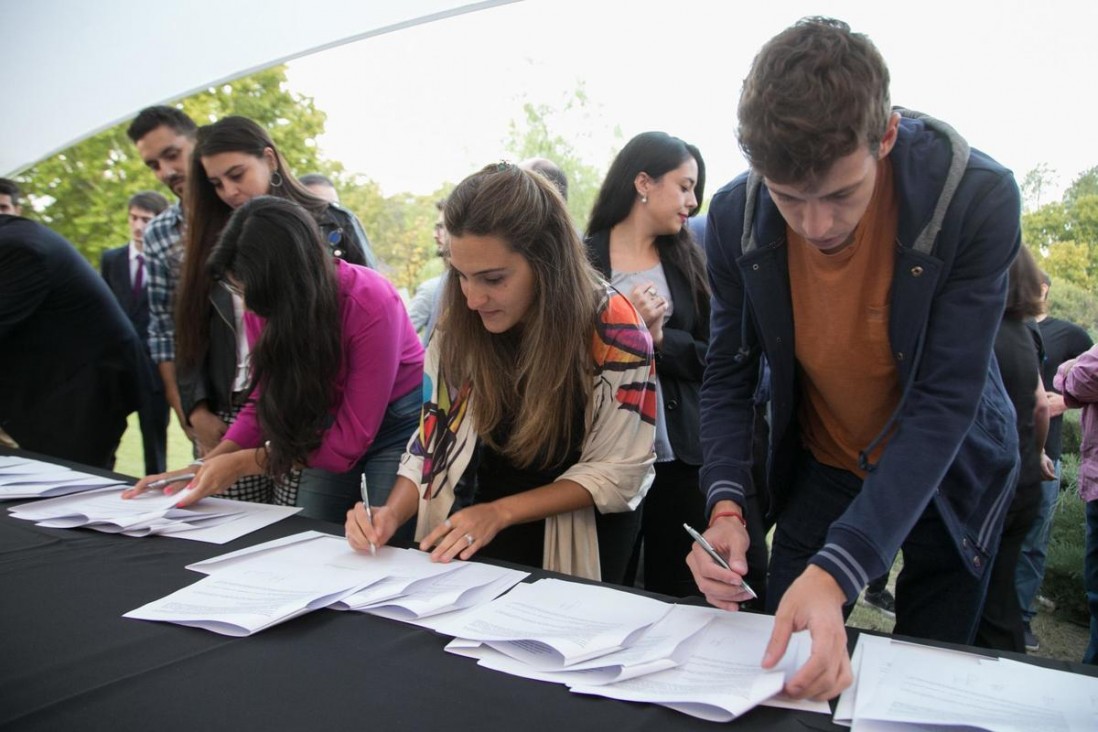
column 130, row 460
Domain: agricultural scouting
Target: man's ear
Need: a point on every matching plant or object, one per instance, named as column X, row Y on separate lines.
column 888, row 141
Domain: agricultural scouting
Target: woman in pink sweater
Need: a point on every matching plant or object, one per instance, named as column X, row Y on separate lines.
column 336, row 366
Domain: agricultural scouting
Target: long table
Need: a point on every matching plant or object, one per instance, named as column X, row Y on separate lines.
column 70, row 661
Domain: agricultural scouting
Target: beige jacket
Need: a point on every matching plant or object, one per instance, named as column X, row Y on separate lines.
column 616, row 459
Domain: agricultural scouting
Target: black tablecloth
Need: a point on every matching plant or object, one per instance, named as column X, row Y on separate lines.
column 70, row 661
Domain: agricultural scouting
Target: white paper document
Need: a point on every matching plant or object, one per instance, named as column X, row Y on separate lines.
column 471, row 584
column 246, row 599
column 572, row 622
column 254, row 588
column 399, row 572
column 22, row 479
column 211, row 565
column 268, row 587
column 903, row 686
column 722, row 677
column 100, row 506
column 663, row 645
column 212, row 520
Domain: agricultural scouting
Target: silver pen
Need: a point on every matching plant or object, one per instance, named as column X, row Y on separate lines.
column 369, row 513
column 716, row 557
column 168, row 481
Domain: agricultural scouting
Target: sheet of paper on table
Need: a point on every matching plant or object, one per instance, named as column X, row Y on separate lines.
column 662, row 645
column 573, row 622
column 255, row 588
column 471, row 585
column 720, row 680
column 23, row 478
column 903, row 686
column 211, row 520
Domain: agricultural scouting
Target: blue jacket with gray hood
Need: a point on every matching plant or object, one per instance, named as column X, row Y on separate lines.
column 953, row 438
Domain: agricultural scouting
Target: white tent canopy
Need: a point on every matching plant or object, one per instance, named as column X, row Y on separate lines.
column 74, row 68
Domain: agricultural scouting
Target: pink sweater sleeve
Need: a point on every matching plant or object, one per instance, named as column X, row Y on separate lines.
column 373, row 339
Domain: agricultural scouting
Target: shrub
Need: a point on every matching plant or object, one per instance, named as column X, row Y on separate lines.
column 1071, row 434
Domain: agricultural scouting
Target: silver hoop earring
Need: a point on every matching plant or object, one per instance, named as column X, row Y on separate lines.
column 276, row 179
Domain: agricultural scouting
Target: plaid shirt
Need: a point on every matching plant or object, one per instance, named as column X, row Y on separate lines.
column 163, row 260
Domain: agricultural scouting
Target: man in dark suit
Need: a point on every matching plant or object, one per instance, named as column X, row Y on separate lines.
column 124, row 270
column 73, row 367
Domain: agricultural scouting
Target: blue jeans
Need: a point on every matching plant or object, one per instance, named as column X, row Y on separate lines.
column 1031, row 563
column 328, row 496
column 937, row 598
column 1090, row 579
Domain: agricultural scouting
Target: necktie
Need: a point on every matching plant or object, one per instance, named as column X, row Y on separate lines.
column 139, row 278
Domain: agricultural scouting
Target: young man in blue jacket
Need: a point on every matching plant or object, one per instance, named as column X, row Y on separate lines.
column 865, row 255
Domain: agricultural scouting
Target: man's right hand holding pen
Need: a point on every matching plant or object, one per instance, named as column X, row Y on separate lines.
column 727, row 534
column 814, row 602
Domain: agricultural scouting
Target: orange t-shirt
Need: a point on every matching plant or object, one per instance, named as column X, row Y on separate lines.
column 850, row 385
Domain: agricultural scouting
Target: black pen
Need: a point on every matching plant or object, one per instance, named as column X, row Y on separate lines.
column 716, row 557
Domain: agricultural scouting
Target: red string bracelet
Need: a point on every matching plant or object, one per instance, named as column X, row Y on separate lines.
column 732, row 514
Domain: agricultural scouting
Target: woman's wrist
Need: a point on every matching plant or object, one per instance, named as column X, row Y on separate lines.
column 403, row 499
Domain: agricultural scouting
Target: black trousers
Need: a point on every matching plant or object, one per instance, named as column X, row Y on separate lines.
column 673, row 500
column 153, row 417
column 937, row 598
column 1001, row 620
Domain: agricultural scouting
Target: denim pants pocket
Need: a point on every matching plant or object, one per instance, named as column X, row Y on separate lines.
column 328, row 496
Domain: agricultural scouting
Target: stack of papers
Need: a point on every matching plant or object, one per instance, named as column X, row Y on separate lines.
column 22, row 478
column 605, row 642
column 902, row 686
column 258, row 587
column 425, row 599
column 213, row 520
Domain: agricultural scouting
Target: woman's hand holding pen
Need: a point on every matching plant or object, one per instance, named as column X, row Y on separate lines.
column 363, row 531
column 466, row 531
column 170, row 482
column 209, row 477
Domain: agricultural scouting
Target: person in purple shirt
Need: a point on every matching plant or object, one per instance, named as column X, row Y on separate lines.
column 337, row 368
column 1077, row 380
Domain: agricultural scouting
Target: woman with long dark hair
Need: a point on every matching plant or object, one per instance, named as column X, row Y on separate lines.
column 336, row 365
column 545, row 369
column 234, row 160
column 639, row 239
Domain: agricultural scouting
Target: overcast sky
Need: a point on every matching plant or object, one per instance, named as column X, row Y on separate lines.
column 428, row 104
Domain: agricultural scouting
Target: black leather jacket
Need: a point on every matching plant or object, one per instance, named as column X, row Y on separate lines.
column 211, row 380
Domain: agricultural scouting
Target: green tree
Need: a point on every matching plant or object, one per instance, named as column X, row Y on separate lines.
column 1085, row 185
column 1063, row 236
column 1069, row 261
column 1035, row 184
column 401, row 229
column 1074, row 304
column 535, row 135
column 1045, row 225
column 82, row 191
